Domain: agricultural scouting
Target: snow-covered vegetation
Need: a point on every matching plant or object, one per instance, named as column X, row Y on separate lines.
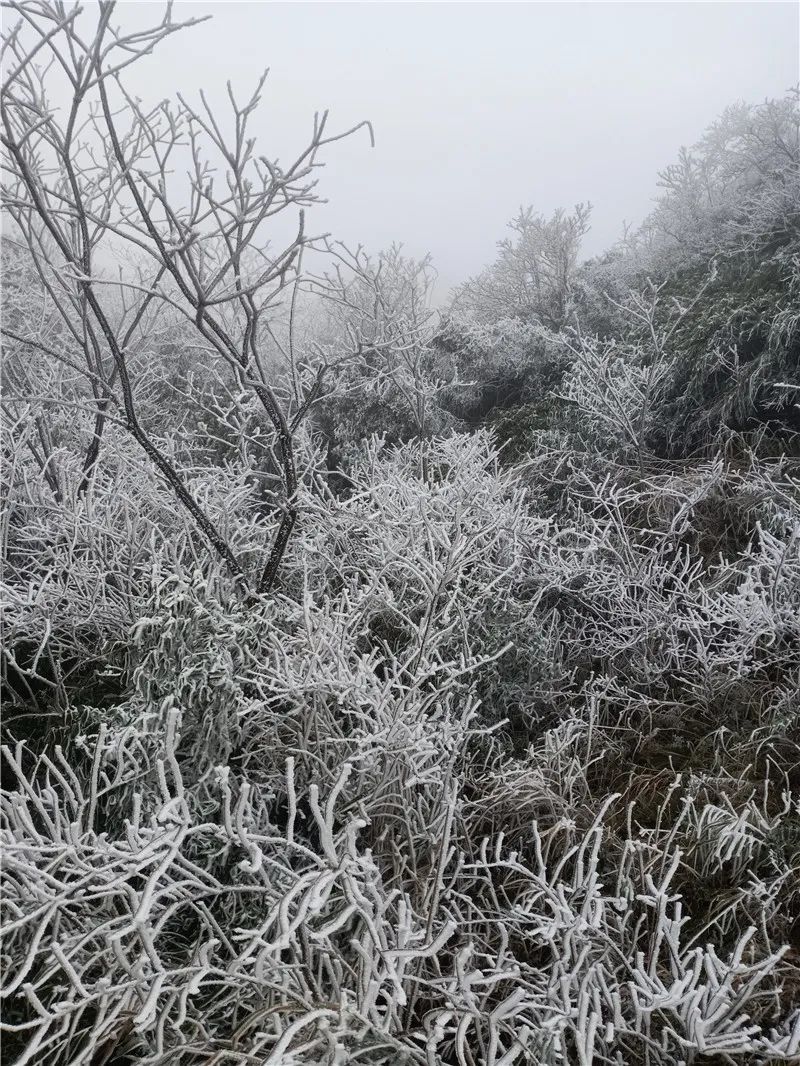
column 387, row 686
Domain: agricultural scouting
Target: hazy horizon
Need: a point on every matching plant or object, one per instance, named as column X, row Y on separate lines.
column 479, row 108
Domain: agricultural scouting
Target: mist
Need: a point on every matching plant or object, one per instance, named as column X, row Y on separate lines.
column 480, row 108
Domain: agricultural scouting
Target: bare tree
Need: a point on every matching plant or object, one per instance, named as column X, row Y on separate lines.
column 380, row 309
column 532, row 275
column 96, row 182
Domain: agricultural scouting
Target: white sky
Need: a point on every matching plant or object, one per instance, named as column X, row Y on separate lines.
column 479, row 108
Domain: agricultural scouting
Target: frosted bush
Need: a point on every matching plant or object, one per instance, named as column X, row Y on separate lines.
column 300, row 838
column 133, row 918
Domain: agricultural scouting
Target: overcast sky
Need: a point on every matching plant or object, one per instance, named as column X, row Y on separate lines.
column 478, row 108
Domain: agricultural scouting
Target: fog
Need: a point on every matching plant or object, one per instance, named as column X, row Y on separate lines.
column 478, row 108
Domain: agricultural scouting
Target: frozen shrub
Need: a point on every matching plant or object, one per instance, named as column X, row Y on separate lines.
column 302, row 838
